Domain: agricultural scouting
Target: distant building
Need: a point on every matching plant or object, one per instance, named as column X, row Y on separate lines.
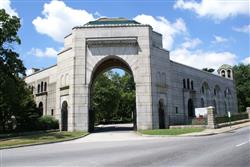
column 167, row 92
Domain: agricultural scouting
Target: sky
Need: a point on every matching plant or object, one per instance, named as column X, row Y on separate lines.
column 202, row 33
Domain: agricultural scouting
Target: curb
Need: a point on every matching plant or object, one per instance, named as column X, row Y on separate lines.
column 43, row 143
column 194, row 135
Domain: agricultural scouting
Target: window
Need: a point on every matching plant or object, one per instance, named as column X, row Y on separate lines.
column 188, row 84
column 52, row 112
column 38, row 88
column 45, row 86
column 223, row 73
column 176, row 110
column 229, row 73
column 41, row 86
column 184, row 83
column 203, row 90
column 192, row 85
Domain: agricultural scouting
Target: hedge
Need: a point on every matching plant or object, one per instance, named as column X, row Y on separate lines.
column 233, row 118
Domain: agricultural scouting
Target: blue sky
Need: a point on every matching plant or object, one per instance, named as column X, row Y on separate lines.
column 205, row 33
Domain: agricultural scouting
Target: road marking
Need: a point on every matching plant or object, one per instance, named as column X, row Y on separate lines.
column 238, row 145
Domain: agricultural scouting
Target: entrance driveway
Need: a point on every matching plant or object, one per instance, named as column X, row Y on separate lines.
column 114, row 132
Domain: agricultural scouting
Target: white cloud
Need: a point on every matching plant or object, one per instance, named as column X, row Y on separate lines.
column 5, row 4
column 58, row 19
column 219, row 39
column 48, row 52
column 246, row 60
column 167, row 29
column 201, row 59
column 244, row 29
column 191, row 43
column 215, row 9
column 29, row 71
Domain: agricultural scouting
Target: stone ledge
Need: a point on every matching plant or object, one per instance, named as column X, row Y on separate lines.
column 64, row 88
column 41, row 94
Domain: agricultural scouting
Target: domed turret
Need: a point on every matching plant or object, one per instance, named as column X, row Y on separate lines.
column 226, row 71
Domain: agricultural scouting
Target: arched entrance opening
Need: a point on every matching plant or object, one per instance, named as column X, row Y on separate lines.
column 64, row 116
column 40, row 108
column 191, row 108
column 112, row 96
column 161, row 112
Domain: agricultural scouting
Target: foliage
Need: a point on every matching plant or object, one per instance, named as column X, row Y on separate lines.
column 233, row 118
column 113, row 98
column 17, row 108
column 242, row 82
column 197, row 121
column 174, row 131
column 47, row 123
column 211, row 70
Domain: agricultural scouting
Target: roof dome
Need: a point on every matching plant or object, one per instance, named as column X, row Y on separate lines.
column 105, row 21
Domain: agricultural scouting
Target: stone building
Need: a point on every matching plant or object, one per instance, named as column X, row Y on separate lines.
column 166, row 91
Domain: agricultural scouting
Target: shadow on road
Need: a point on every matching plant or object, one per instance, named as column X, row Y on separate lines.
column 113, row 127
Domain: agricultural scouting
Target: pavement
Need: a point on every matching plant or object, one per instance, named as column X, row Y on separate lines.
column 231, row 148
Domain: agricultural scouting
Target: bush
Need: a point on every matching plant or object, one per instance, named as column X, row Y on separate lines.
column 47, row 123
column 197, row 121
column 237, row 117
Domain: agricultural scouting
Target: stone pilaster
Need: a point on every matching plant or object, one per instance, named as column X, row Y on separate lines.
column 211, row 124
column 248, row 111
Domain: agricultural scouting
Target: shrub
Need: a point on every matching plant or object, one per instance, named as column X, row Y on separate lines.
column 197, row 121
column 47, row 123
column 237, row 117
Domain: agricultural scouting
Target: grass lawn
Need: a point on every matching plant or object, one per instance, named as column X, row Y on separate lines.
column 40, row 138
column 175, row 131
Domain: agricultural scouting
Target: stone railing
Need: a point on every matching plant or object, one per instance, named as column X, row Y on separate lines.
column 211, row 121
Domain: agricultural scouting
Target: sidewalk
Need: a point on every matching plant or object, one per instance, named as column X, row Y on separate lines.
column 217, row 131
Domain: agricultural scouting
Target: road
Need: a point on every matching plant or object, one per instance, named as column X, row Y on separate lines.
column 227, row 149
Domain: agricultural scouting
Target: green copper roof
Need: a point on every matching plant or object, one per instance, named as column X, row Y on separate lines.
column 103, row 21
column 225, row 66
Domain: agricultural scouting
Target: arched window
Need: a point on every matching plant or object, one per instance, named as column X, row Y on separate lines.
column 41, row 86
column 192, row 85
column 40, row 108
column 184, row 83
column 38, row 88
column 223, row 73
column 161, row 113
column 191, row 108
column 64, row 116
column 202, row 102
column 229, row 73
column 45, row 86
column 215, row 107
column 188, row 84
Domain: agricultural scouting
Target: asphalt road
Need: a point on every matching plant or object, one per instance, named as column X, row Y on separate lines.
column 227, row 149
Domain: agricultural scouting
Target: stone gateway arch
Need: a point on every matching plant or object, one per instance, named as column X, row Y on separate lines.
column 163, row 87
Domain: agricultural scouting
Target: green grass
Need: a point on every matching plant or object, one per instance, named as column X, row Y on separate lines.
column 40, row 138
column 175, row 131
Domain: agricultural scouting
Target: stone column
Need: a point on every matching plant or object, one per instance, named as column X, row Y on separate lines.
column 211, row 124
column 248, row 111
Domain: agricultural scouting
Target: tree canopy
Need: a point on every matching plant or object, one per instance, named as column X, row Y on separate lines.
column 17, row 107
column 113, row 98
column 242, row 82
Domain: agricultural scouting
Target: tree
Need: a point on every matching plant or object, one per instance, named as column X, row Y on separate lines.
column 113, row 98
column 211, row 70
column 16, row 103
column 242, row 82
